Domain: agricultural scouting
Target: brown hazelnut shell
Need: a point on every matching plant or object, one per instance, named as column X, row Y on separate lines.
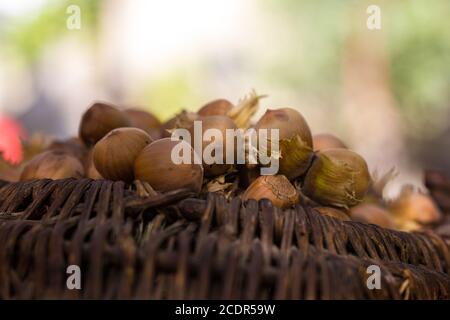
column 155, row 166
column 372, row 213
column 219, row 107
column 222, row 123
column 146, row 121
column 53, row 164
column 100, row 119
column 324, row 141
column 295, row 140
column 276, row 188
column 114, row 155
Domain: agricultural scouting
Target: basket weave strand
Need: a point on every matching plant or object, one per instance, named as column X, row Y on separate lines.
column 177, row 247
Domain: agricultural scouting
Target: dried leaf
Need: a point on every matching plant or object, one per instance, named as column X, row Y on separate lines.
column 245, row 109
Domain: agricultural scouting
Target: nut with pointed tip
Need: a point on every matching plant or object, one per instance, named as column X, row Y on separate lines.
column 219, row 107
column 372, row 213
column 100, row 119
column 223, row 145
column 145, row 121
column 115, row 154
column 337, row 177
column 53, row 164
column 324, row 141
column 72, row 146
column 295, row 140
column 276, row 188
column 155, row 166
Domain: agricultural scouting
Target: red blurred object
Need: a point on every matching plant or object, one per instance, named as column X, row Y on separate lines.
column 11, row 133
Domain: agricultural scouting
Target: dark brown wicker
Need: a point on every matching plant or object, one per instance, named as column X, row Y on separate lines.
column 439, row 186
column 174, row 246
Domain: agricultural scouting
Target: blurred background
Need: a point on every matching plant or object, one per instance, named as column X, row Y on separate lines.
column 385, row 92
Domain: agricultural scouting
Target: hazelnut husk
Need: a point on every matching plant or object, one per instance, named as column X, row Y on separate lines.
column 146, row 121
column 337, row 177
column 53, row 164
column 219, row 107
column 115, row 154
column 246, row 108
column 295, row 147
column 277, row 189
column 100, row 119
column 221, row 123
column 155, row 166
column 324, row 141
column 373, row 214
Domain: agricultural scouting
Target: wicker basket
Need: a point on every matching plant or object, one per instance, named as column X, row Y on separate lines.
column 176, row 246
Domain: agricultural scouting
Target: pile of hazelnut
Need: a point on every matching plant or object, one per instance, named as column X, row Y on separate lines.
column 130, row 144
